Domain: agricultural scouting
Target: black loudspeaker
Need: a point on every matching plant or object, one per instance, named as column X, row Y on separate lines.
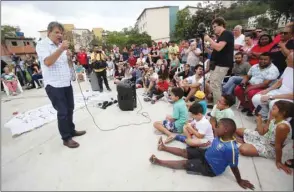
column 126, row 95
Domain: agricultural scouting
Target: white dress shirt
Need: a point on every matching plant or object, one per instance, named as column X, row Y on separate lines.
column 58, row 74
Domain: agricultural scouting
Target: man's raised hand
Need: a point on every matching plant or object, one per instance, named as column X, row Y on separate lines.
column 64, row 45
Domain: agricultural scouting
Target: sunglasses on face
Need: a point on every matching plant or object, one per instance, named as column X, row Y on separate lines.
column 284, row 33
column 258, row 31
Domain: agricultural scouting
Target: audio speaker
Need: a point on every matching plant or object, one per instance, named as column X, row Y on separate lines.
column 126, row 95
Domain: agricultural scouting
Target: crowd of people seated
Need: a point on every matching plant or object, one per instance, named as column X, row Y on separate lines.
column 26, row 71
column 261, row 76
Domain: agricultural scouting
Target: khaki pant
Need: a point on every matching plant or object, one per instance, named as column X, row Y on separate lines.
column 216, row 78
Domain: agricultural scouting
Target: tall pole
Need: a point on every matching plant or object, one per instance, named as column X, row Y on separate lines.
column 202, row 39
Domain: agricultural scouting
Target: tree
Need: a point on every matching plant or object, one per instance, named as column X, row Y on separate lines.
column 182, row 24
column 263, row 22
column 127, row 37
column 7, row 31
column 284, row 7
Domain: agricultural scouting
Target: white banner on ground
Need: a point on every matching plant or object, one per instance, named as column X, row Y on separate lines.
column 40, row 116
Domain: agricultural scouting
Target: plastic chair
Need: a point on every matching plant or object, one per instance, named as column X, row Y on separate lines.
column 19, row 87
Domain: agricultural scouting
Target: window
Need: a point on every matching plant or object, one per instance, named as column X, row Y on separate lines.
column 14, row 43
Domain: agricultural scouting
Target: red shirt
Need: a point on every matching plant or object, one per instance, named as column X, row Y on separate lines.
column 132, row 61
column 82, row 58
column 259, row 49
column 277, row 39
column 162, row 86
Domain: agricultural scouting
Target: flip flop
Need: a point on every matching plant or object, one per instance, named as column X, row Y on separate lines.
column 290, row 165
column 152, row 159
column 170, row 139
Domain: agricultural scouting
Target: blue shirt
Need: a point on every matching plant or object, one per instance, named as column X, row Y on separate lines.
column 180, row 114
column 222, row 154
column 203, row 104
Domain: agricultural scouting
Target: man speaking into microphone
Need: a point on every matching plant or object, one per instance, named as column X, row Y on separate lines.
column 54, row 56
column 222, row 56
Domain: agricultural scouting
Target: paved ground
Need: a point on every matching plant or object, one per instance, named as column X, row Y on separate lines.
column 116, row 160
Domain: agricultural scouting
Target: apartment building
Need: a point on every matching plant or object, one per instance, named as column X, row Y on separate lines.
column 82, row 38
column 79, row 37
column 252, row 21
column 158, row 22
column 98, row 32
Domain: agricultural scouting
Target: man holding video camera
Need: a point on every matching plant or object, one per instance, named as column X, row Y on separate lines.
column 98, row 62
column 222, row 56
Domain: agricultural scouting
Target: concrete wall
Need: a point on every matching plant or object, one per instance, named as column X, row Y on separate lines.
column 156, row 22
column 172, row 19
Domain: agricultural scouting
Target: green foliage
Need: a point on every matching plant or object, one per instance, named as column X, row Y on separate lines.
column 263, row 22
column 184, row 21
column 245, row 10
column 127, row 37
column 7, row 31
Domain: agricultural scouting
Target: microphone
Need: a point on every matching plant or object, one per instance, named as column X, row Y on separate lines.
column 201, row 28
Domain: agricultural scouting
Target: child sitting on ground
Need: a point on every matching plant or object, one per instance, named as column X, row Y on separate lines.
column 80, row 71
column 159, row 89
column 199, row 132
column 175, row 123
column 208, row 162
column 199, row 98
column 222, row 109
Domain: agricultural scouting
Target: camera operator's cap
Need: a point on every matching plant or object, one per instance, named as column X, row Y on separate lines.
column 200, row 95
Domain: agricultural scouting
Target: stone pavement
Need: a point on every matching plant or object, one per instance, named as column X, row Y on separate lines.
column 116, row 160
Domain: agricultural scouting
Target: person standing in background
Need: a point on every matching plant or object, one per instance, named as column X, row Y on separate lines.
column 82, row 58
column 223, row 52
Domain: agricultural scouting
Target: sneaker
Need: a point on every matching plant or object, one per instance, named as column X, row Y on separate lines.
column 244, row 110
column 249, row 114
column 147, row 99
column 108, row 89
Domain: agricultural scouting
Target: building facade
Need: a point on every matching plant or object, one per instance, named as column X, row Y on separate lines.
column 82, row 38
column 19, row 46
column 158, row 22
column 98, row 32
column 252, row 21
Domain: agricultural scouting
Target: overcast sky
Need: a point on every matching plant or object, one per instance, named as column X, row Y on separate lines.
column 33, row 16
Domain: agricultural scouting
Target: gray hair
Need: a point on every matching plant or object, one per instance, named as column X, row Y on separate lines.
column 238, row 27
column 53, row 25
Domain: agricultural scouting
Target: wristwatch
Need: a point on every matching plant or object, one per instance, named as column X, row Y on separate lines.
column 271, row 97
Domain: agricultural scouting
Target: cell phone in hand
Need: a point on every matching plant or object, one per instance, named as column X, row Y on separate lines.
column 257, row 110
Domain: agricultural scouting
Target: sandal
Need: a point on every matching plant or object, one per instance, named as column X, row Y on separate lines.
column 290, row 165
column 170, row 139
column 152, row 159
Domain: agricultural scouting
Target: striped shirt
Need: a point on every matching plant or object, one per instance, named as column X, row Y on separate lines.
column 58, row 74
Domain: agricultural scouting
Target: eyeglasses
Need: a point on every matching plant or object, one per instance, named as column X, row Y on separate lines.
column 284, row 33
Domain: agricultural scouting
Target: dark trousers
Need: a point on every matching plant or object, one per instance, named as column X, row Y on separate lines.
column 159, row 94
column 62, row 100
column 101, row 76
column 36, row 77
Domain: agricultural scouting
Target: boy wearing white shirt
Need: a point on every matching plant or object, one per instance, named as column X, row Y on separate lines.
column 193, row 83
column 199, row 132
